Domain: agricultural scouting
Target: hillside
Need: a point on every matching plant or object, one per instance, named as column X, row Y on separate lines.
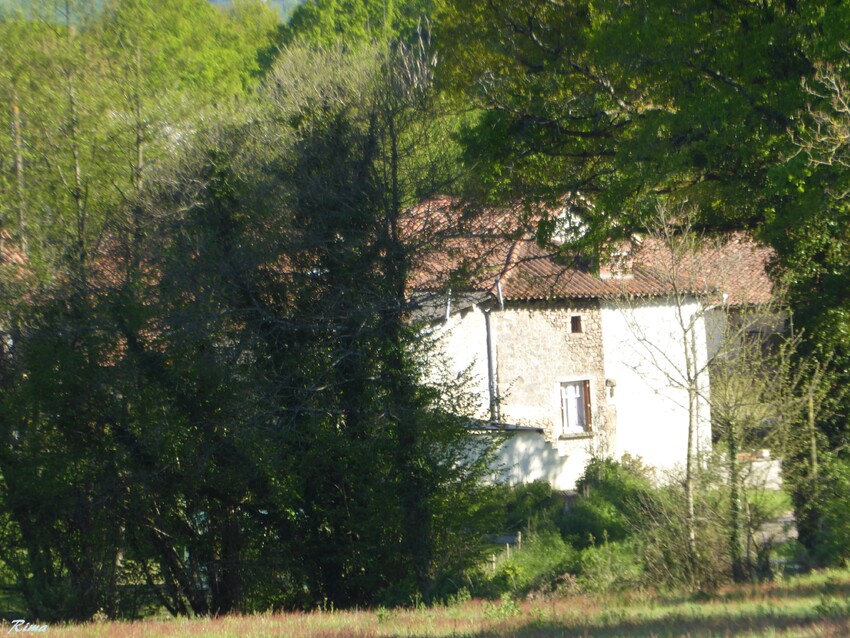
column 283, row 6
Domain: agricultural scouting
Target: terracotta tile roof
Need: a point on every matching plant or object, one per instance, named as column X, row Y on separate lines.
column 456, row 247
column 733, row 265
column 452, row 243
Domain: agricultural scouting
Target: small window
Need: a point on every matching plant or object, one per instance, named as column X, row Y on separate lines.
column 575, row 323
column 575, row 407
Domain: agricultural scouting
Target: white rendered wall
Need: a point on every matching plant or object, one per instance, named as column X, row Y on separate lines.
column 527, row 456
column 462, row 340
column 644, row 348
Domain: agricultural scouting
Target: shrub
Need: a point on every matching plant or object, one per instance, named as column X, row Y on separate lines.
column 527, row 504
column 830, row 536
column 611, row 495
column 610, row 567
column 832, row 607
column 506, row 608
column 663, row 537
column 538, row 566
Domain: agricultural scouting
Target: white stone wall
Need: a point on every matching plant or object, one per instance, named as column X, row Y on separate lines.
column 528, row 456
column 536, row 352
column 644, row 349
column 637, row 348
column 463, row 341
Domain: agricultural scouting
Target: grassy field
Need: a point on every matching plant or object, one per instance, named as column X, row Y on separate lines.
column 811, row 605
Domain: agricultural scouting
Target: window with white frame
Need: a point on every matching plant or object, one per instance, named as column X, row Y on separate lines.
column 575, row 407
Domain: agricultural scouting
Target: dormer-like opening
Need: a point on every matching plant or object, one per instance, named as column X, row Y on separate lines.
column 619, row 263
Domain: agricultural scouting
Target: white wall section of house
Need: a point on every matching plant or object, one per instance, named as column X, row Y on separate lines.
column 463, row 341
column 632, row 357
column 527, row 456
column 644, row 348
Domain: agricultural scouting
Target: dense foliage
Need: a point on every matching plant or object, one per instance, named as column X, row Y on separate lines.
column 213, row 399
column 211, row 394
column 357, row 21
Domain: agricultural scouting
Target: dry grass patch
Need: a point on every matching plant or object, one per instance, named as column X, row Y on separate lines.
column 804, row 607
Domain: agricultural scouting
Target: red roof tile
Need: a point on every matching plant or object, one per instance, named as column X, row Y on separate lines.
column 451, row 243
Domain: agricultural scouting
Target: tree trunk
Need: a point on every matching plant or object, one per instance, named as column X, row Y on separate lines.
column 690, row 464
column 813, row 436
column 227, row 591
column 417, row 542
column 690, row 523
column 732, row 449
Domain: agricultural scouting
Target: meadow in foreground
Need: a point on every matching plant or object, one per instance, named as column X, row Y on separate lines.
column 816, row 605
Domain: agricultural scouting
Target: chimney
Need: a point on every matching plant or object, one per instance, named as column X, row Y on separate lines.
column 618, row 264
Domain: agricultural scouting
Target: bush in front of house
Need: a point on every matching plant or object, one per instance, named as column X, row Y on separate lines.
column 610, row 566
column 538, row 566
column 823, row 512
column 588, row 545
column 611, row 498
column 528, row 505
column 620, row 531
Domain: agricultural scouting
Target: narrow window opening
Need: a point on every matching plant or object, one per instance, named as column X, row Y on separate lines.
column 575, row 407
column 575, row 323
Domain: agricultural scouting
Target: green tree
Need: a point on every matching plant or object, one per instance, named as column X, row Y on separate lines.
column 189, row 45
column 94, row 104
column 237, row 354
column 327, row 22
column 810, row 236
column 91, row 100
column 636, row 103
column 357, row 165
column 628, row 103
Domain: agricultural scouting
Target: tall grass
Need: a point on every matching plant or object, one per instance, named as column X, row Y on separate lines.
column 799, row 607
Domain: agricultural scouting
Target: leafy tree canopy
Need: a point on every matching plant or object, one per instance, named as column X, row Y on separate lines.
column 191, row 44
column 356, row 21
column 737, row 109
column 629, row 102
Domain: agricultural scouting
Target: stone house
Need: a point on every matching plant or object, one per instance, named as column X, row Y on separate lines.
column 576, row 360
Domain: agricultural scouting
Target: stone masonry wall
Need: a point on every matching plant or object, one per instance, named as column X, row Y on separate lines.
column 537, row 351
